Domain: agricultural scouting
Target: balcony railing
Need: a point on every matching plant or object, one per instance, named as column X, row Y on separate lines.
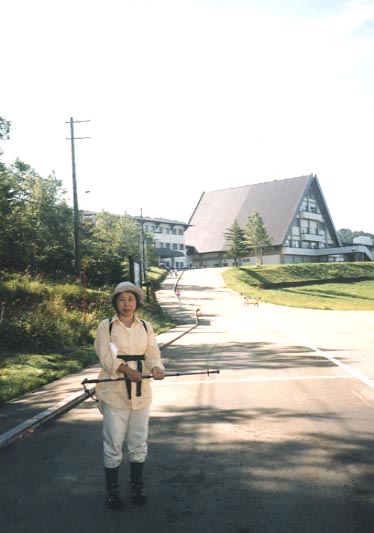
column 310, row 216
column 313, row 237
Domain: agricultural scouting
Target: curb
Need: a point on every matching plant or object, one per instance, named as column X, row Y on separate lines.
column 26, row 428
column 166, row 344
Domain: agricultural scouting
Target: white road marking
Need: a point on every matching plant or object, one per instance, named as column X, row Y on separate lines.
column 350, row 370
column 354, row 373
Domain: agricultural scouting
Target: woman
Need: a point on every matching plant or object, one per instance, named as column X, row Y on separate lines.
column 126, row 347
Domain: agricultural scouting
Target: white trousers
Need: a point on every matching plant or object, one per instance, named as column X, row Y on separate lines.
column 124, row 425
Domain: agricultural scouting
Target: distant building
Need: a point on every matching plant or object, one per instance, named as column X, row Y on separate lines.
column 168, row 235
column 294, row 212
column 169, row 240
column 88, row 217
column 360, row 245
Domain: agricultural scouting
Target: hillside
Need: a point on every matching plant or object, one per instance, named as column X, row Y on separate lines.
column 47, row 329
column 341, row 286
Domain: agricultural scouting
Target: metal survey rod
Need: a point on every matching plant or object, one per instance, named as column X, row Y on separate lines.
column 149, row 376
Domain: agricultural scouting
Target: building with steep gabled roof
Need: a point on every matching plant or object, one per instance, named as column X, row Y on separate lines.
column 295, row 215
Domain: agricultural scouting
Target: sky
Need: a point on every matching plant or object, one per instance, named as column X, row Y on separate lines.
column 187, row 96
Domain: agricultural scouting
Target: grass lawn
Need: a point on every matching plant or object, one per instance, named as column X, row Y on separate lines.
column 303, row 286
column 357, row 296
column 23, row 372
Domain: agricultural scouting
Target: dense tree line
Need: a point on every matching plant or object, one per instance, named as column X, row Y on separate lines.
column 37, row 229
column 36, row 222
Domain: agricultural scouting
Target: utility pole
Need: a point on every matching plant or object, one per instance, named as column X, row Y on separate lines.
column 143, row 246
column 77, row 253
column 143, row 253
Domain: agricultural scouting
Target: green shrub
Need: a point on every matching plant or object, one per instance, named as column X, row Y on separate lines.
column 48, row 329
column 41, row 316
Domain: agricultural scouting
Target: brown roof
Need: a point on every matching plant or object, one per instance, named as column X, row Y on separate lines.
column 276, row 202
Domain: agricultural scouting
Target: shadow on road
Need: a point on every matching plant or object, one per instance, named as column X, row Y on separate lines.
column 208, row 470
column 244, row 356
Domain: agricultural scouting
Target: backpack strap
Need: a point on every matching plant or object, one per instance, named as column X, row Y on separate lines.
column 111, row 325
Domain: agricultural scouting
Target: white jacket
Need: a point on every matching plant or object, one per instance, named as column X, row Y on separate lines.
column 127, row 341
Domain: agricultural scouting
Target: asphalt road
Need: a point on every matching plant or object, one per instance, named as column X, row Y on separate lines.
column 281, row 440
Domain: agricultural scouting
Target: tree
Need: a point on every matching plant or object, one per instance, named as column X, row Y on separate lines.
column 4, row 130
column 106, row 245
column 346, row 235
column 35, row 234
column 236, row 237
column 256, row 235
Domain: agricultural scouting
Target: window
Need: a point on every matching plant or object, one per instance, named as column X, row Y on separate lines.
column 174, row 231
column 181, row 246
column 180, row 232
column 312, row 205
column 175, row 246
column 167, row 245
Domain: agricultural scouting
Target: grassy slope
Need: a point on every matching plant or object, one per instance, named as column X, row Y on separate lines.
column 340, row 286
column 26, row 371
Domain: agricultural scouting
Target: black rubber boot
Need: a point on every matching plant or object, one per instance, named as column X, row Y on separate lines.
column 137, row 484
column 113, row 498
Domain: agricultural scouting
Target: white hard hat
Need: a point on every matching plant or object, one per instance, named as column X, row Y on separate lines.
column 127, row 286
